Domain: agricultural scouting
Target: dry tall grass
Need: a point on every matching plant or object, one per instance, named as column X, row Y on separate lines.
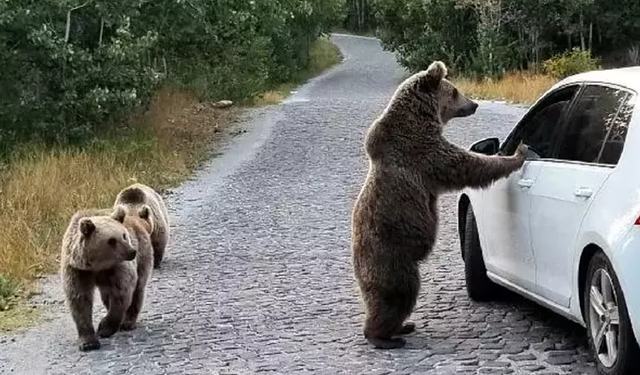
column 41, row 189
column 516, row 87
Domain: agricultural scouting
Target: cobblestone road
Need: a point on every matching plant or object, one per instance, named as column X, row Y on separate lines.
column 258, row 277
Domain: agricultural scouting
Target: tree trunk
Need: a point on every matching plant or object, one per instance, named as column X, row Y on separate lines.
column 582, row 44
column 101, row 32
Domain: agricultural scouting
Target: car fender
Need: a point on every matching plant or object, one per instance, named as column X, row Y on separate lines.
column 587, row 239
column 475, row 200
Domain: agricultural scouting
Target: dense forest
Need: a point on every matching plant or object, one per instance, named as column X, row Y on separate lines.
column 489, row 37
column 69, row 66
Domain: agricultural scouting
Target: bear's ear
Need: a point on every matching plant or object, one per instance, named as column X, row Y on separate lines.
column 87, row 226
column 118, row 214
column 144, row 212
column 437, row 71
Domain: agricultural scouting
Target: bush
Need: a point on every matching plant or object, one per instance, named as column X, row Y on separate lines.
column 420, row 31
column 570, row 63
column 8, row 289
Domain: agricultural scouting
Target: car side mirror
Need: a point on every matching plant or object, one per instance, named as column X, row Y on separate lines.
column 488, row 146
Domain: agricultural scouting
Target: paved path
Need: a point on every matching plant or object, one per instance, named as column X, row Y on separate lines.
column 258, row 276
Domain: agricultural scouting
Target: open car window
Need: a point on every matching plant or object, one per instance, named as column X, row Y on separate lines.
column 541, row 127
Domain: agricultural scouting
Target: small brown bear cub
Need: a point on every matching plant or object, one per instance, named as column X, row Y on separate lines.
column 132, row 198
column 395, row 217
column 112, row 251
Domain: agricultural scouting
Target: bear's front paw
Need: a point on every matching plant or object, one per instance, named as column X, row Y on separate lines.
column 522, row 150
column 90, row 343
column 105, row 329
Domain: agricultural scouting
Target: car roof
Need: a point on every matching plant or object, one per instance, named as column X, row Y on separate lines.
column 628, row 77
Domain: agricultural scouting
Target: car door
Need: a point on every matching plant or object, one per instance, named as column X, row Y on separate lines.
column 566, row 185
column 506, row 204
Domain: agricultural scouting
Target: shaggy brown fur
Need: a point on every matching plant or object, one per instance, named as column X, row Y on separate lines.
column 111, row 251
column 132, row 199
column 395, row 217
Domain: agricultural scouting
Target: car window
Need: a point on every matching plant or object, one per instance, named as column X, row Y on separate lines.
column 542, row 124
column 617, row 133
column 588, row 125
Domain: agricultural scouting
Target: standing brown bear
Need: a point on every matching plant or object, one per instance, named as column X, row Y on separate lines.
column 395, row 217
column 112, row 251
column 136, row 196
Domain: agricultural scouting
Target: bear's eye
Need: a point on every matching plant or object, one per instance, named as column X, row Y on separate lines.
column 112, row 242
column 124, row 237
column 455, row 93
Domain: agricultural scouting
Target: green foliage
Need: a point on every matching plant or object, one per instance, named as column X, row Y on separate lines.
column 570, row 63
column 420, row 31
column 489, row 37
column 8, row 290
column 70, row 67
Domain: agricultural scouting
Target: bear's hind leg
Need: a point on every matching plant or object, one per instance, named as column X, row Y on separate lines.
column 385, row 320
column 158, row 252
column 105, row 298
column 137, row 301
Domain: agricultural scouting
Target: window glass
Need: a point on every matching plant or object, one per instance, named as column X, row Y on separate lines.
column 617, row 130
column 588, row 125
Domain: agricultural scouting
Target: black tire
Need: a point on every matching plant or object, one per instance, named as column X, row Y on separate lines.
column 627, row 361
column 479, row 286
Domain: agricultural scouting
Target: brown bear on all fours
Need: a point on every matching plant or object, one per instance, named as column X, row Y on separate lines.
column 111, row 251
column 395, row 216
column 132, row 198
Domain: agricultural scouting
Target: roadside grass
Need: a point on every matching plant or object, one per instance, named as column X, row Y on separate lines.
column 322, row 55
column 515, row 87
column 41, row 187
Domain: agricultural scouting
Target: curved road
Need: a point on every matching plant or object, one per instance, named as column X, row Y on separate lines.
column 258, row 275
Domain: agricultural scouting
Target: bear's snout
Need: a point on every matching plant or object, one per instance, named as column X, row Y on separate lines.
column 468, row 110
column 474, row 106
column 130, row 255
column 471, row 107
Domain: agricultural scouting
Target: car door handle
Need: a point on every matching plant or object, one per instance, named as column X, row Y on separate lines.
column 525, row 183
column 583, row 192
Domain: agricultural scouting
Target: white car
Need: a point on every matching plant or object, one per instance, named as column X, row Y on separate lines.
column 564, row 230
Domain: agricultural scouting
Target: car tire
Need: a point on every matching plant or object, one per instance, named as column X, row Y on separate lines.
column 479, row 286
column 599, row 307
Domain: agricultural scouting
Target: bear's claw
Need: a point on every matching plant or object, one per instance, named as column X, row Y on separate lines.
column 407, row 328
column 91, row 345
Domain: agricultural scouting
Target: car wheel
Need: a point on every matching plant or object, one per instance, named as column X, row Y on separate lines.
column 479, row 286
column 609, row 331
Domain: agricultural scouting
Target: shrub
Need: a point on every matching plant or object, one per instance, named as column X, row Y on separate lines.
column 570, row 63
column 8, row 289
